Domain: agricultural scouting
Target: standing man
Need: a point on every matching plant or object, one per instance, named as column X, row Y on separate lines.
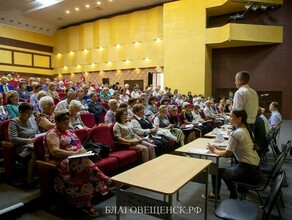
column 246, row 98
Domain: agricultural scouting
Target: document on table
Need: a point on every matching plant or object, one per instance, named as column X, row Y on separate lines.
column 198, row 150
column 87, row 154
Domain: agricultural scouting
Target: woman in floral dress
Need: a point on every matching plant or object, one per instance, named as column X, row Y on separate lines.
column 79, row 179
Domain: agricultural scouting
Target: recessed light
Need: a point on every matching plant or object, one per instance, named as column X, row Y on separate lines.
column 67, row 12
column 99, row 3
column 76, row 9
column 87, row 6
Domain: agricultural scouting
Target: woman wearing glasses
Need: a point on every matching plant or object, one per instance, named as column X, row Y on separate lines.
column 123, row 131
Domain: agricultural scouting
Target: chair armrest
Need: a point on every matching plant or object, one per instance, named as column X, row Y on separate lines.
column 7, row 145
column 45, row 164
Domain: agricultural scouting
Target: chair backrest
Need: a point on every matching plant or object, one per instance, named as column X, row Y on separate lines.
column 88, row 119
column 275, row 190
column 278, row 165
column 102, row 134
column 82, row 134
column 4, row 134
column 105, row 105
column 39, row 148
column 202, row 114
column 101, row 118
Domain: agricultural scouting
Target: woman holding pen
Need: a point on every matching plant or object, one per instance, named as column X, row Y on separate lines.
column 242, row 144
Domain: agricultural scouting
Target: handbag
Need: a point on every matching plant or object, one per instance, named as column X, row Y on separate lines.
column 100, row 149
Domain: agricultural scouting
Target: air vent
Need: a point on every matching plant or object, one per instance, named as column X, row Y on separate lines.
column 11, row 20
column 60, row 19
column 2, row 19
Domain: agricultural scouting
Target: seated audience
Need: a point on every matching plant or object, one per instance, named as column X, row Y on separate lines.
column 260, row 134
column 105, row 96
column 123, row 96
column 123, row 132
column 75, row 119
column 276, row 118
column 95, row 107
column 46, row 119
column 242, row 145
column 22, row 131
column 3, row 111
column 143, row 127
column 161, row 122
column 12, row 104
column 64, row 104
column 52, row 90
column 109, row 117
column 22, row 92
column 78, row 179
column 4, row 86
column 173, row 119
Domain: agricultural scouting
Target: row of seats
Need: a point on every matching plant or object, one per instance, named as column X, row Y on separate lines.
column 120, row 157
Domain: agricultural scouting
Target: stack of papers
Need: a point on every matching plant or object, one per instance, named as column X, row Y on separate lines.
column 87, row 154
column 198, row 150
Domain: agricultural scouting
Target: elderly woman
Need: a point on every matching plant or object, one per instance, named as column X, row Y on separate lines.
column 46, row 119
column 242, row 145
column 123, row 132
column 3, row 111
column 22, row 131
column 161, row 121
column 12, row 104
column 52, row 91
column 109, row 117
column 22, row 92
column 75, row 119
column 95, row 107
column 79, row 179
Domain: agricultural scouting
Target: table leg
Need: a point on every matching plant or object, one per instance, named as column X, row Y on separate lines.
column 206, row 193
column 216, row 183
column 117, row 201
column 170, row 205
column 177, row 196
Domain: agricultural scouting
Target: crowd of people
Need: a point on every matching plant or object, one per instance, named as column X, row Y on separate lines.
column 146, row 120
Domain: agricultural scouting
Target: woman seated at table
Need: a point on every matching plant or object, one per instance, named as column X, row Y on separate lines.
column 124, row 132
column 22, row 131
column 12, row 103
column 46, row 119
column 242, row 144
column 78, row 179
column 161, row 122
column 75, row 119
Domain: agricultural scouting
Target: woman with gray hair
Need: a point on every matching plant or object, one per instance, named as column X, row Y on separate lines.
column 74, row 117
column 45, row 120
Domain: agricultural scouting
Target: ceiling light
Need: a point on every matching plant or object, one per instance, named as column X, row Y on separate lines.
column 76, row 9
column 67, row 12
column 87, row 6
column 99, row 3
column 49, row 2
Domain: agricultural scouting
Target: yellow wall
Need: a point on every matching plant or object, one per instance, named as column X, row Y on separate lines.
column 184, row 47
column 25, row 60
column 109, row 44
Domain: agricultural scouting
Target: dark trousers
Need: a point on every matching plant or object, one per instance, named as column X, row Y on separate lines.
column 161, row 145
column 241, row 172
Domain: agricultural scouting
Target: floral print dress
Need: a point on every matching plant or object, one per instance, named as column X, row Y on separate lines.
column 79, row 178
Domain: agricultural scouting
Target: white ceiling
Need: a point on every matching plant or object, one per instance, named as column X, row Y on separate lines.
column 29, row 14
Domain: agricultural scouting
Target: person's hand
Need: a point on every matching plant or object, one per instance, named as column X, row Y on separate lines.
column 153, row 130
column 133, row 142
column 170, row 126
column 211, row 147
column 31, row 140
column 81, row 151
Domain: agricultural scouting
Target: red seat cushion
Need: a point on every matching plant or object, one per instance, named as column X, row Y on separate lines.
column 125, row 157
column 108, row 164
